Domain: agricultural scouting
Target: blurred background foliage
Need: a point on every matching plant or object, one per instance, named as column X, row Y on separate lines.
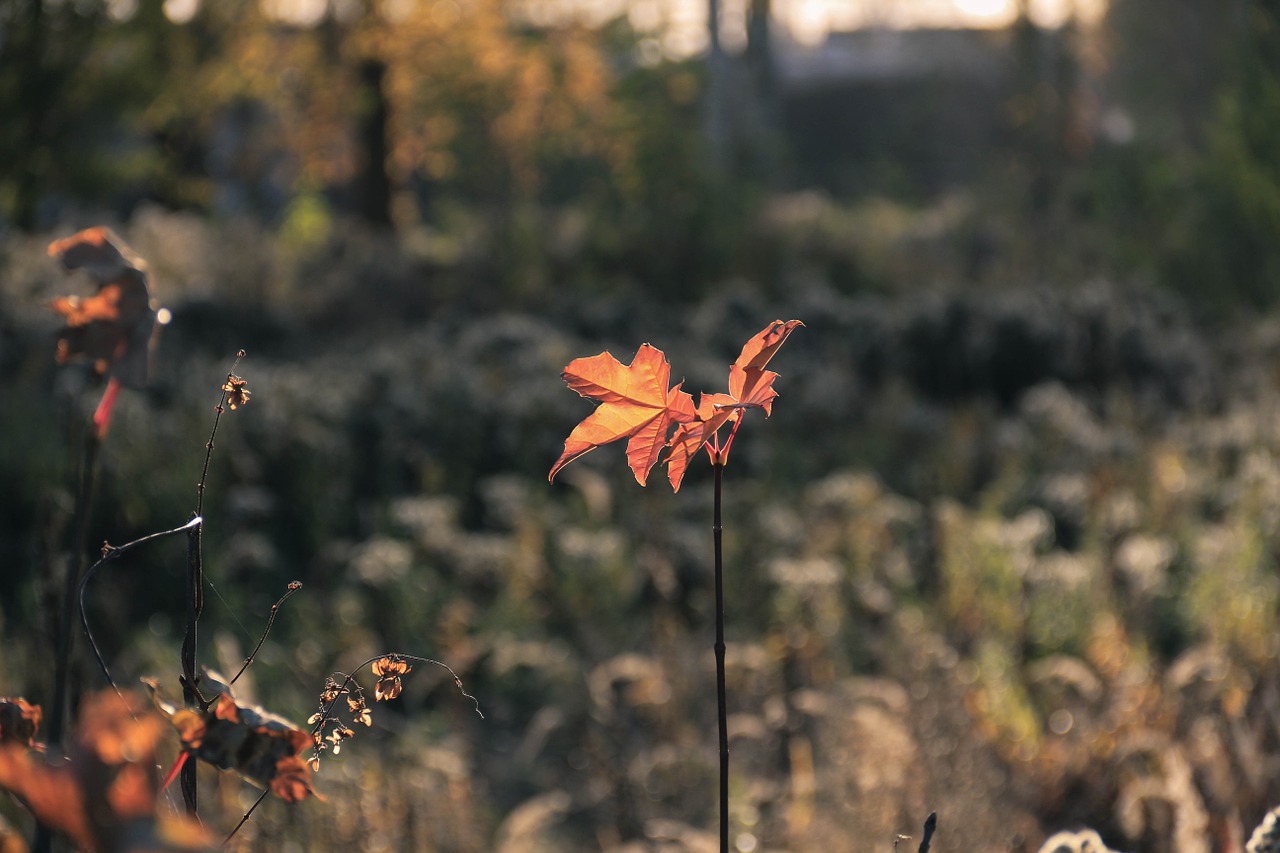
column 1006, row 548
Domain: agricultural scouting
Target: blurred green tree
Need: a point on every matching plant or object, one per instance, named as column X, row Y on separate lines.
column 1228, row 250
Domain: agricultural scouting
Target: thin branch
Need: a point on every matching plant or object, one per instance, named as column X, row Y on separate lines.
column 195, row 592
column 75, row 562
column 110, row 552
column 217, row 416
column 294, row 586
column 247, row 815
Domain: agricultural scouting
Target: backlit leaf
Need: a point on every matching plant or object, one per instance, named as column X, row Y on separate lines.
column 635, row 403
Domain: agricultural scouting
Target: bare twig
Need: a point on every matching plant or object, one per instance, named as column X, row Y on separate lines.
column 245, row 818
column 76, row 559
column 294, row 586
column 110, row 552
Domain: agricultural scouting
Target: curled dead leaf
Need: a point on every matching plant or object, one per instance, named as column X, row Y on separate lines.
column 102, row 795
column 114, row 328
column 248, row 740
column 19, row 721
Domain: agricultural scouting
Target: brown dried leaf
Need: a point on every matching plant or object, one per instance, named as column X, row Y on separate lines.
column 114, row 327
column 104, row 791
column 292, row 780
column 19, row 721
column 243, row 738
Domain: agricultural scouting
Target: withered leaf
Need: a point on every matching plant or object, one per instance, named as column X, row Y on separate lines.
column 115, row 326
column 245, row 739
column 19, row 721
column 102, row 796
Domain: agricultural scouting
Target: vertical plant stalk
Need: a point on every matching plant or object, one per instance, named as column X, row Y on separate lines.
column 76, row 562
column 75, row 567
column 195, row 596
column 722, row 711
column 195, row 605
column 930, row 826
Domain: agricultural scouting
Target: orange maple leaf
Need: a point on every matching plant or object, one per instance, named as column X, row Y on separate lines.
column 635, row 403
column 750, row 387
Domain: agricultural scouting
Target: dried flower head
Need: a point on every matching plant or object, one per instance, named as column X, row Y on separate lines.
column 389, row 670
column 238, row 392
column 359, row 713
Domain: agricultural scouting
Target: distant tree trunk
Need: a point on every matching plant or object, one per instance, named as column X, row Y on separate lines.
column 373, row 184
column 41, row 52
column 761, row 122
column 717, row 105
column 760, row 48
column 32, row 116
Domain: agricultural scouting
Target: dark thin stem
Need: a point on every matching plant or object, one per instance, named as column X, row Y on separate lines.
column 190, row 691
column 930, row 824
column 76, row 559
column 247, row 815
column 722, row 712
column 110, row 552
column 294, row 586
column 75, row 565
column 195, row 595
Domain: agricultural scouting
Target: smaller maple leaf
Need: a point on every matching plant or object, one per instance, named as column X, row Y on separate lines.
column 635, row 403
column 750, row 387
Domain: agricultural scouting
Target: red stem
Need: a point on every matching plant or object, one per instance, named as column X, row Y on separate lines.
column 173, row 771
column 102, row 414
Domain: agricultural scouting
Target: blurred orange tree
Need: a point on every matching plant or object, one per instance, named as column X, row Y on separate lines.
column 400, row 92
column 561, row 143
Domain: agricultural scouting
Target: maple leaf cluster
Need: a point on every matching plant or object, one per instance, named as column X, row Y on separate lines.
column 636, row 404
